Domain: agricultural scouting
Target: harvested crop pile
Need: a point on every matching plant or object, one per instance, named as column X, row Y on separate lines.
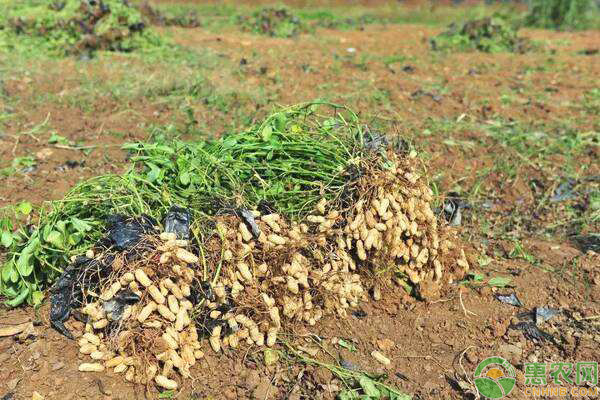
column 273, row 21
column 490, row 35
column 254, row 274
column 156, row 17
column 75, row 26
column 296, row 219
column 560, row 14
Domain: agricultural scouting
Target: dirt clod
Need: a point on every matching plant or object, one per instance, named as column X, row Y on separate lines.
column 322, row 375
column 264, row 390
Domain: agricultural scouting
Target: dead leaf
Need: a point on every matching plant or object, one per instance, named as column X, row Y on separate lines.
column 14, row 329
column 313, row 351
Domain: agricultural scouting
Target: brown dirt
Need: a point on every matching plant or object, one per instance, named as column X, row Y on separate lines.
column 425, row 342
column 428, row 340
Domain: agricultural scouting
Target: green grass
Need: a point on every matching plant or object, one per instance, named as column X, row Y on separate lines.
column 591, row 102
column 515, row 152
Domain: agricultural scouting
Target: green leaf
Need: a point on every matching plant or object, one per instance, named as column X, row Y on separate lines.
column 7, row 239
column 56, row 138
column 184, row 178
column 347, row 345
column 7, row 271
column 14, row 275
column 369, row 387
column 61, row 226
column 74, row 239
column 168, row 394
column 499, row 281
column 484, row 260
column 154, row 172
column 476, row 277
column 348, row 395
column 56, row 239
column 10, row 292
column 266, row 133
column 24, row 208
column 81, row 225
column 24, row 292
column 271, row 356
column 24, row 264
column 36, row 298
column 280, row 121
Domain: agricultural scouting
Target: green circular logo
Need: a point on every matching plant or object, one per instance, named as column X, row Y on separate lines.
column 495, row 378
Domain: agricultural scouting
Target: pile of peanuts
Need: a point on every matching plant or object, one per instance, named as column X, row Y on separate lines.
column 162, row 316
column 326, row 262
column 269, row 271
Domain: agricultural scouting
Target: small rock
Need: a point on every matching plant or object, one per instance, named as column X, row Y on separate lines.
column 510, row 351
column 332, row 389
column 500, row 327
column 76, row 326
column 12, row 384
column 252, row 380
column 57, row 366
column 44, row 154
column 4, row 357
column 29, row 333
column 532, row 358
column 385, row 344
column 349, row 365
column 471, row 357
column 230, row 393
column 429, row 290
column 485, row 291
column 36, row 396
column 322, row 375
column 265, row 390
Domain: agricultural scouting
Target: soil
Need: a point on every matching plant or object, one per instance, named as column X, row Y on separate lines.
column 430, row 345
column 433, row 346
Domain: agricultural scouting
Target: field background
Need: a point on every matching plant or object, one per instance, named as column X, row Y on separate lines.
column 516, row 135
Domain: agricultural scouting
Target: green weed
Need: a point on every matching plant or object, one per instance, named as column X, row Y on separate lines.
column 591, row 101
column 358, row 384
